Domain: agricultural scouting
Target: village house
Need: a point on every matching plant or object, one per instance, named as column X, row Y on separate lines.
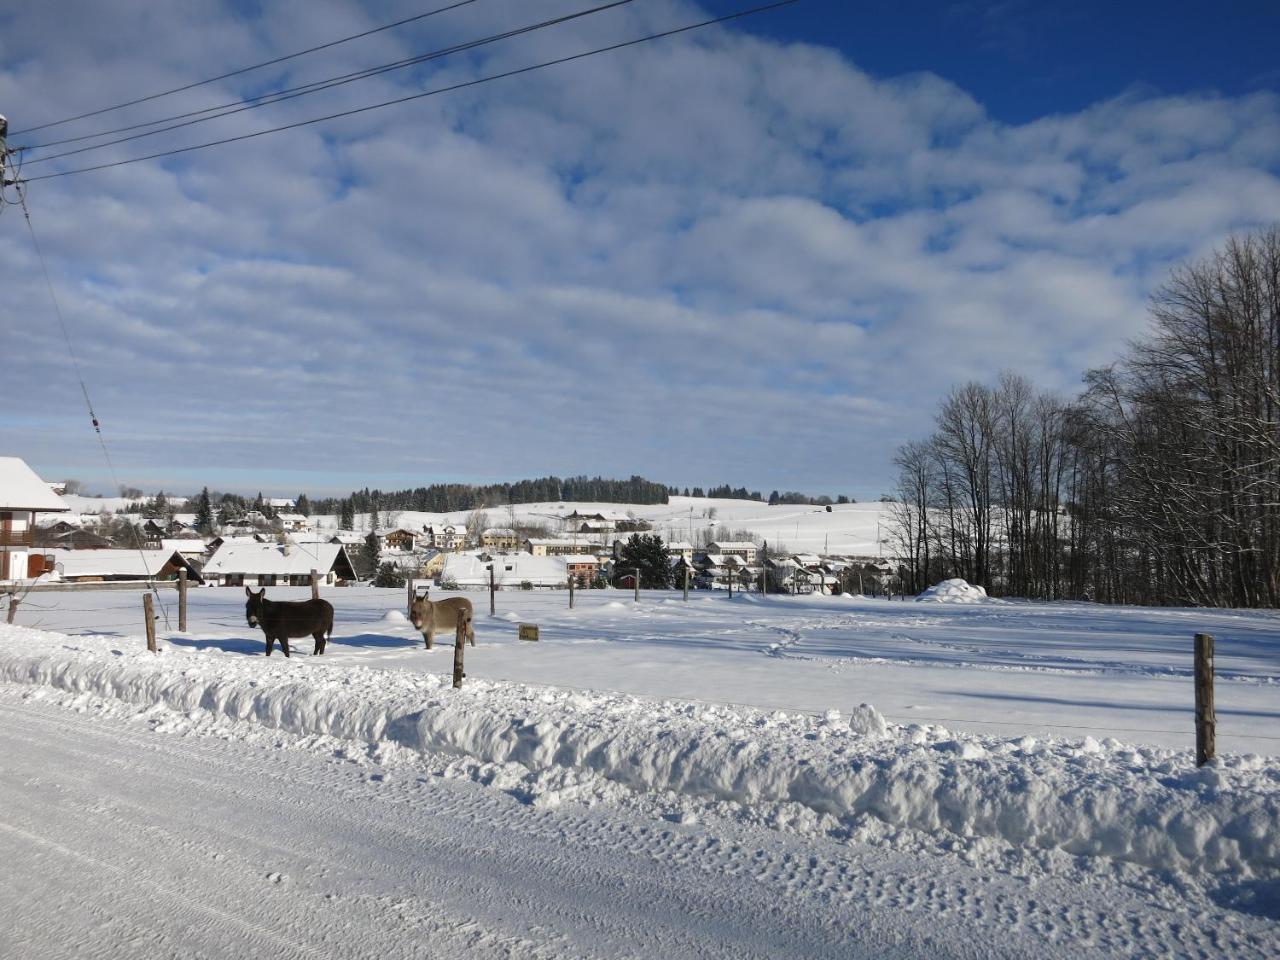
column 735, row 548
column 582, row 567
column 292, row 522
column 110, row 566
column 681, row 548
column 511, row 571
column 500, row 538
column 23, row 496
column 399, row 539
column 237, row 564
column 447, row 537
column 541, row 547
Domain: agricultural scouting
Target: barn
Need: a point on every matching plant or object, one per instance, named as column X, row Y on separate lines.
column 238, row 564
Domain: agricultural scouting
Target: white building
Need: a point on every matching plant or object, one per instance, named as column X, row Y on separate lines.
column 543, row 547
column 735, row 548
column 293, row 522
column 23, row 495
column 510, row 571
column 238, row 564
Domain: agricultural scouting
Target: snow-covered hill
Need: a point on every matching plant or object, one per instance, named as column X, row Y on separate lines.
column 852, row 528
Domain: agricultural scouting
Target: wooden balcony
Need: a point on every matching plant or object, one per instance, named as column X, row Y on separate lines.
column 15, row 538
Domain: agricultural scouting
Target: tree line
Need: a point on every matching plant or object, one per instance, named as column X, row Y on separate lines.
column 451, row 497
column 1158, row 483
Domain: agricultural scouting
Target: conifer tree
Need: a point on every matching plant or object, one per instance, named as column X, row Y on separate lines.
column 204, row 513
column 650, row 554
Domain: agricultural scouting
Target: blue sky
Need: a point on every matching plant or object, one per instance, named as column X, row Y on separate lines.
column 756, row 255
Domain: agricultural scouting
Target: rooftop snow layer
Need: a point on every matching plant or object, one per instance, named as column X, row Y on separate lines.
column 21, row 489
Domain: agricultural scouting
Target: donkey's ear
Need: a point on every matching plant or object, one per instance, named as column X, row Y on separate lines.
column 248, row 592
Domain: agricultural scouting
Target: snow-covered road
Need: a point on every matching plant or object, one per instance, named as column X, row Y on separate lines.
column 130, row 833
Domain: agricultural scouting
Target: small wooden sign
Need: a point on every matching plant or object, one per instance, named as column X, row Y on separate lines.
column 528, row 631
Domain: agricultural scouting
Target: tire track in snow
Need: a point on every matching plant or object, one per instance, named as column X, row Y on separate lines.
column 861, row 879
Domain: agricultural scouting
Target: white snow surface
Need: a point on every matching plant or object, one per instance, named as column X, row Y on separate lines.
column 864, row 529
column 955, row 590
column 1148, row 807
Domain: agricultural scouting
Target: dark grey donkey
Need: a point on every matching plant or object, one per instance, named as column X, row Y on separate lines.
column 282, row 619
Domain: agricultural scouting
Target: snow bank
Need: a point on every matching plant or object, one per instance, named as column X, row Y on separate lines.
column 954, row 591
column 1096, row 799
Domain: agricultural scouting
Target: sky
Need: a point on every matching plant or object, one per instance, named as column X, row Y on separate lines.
column 756, row 254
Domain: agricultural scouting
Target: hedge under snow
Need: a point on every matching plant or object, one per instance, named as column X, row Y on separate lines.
column 1146, row 806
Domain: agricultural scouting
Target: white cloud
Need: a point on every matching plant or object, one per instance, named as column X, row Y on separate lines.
column 714, row 258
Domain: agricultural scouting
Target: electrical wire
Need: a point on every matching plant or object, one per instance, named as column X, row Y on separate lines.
column 292, row 93
column 242, row 70
column 84, row 389
column 426, row 93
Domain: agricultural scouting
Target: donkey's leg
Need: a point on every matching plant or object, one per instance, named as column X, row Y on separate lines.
column 429, row 635
column 471, row 631
column 284, row 645
column 319, row 635
column 271, row 643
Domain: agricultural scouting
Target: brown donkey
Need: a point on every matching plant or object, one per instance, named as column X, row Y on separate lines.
column 428, row 616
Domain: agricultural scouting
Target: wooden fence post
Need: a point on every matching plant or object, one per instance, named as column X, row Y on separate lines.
column 686, row 581
column 315, row 585
column 408, row 610
column 571, row 578
column 731, row 569
column 492, row 588
column 459, row 648
column 13, row 608
column 182, row 601
column 148, row 612
column 1206, row 718
column 637, row 584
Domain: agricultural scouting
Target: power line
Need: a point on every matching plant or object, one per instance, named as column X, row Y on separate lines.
column 427, row 93
column 256, row 66
column 291, row 93
column 84, row 389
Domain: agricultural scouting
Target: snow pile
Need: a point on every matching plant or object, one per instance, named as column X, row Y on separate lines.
column 954, row 591
column 1150, row 807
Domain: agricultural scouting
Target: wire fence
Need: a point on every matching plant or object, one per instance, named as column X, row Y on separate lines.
column 124, row 616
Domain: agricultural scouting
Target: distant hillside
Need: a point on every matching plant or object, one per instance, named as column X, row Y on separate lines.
column 447, row 497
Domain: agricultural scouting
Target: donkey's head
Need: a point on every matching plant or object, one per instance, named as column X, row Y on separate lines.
column 253, row 607
column 418, row 611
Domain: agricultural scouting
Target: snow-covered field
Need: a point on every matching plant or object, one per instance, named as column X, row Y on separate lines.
column 1069, row 670
column 698, row 778
column 856, row 528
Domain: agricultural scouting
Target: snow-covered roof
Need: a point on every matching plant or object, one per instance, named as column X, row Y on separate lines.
column 21, row 489
column 499, row 532
column 284, row 502
column 679, row 545
column 110, row 563
column 273, row 559
column 193, row 548
column 550, row 541
column 291, row 518
column 469, row 570
column 720, row 546
column 579, row 558
column 308, row 536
